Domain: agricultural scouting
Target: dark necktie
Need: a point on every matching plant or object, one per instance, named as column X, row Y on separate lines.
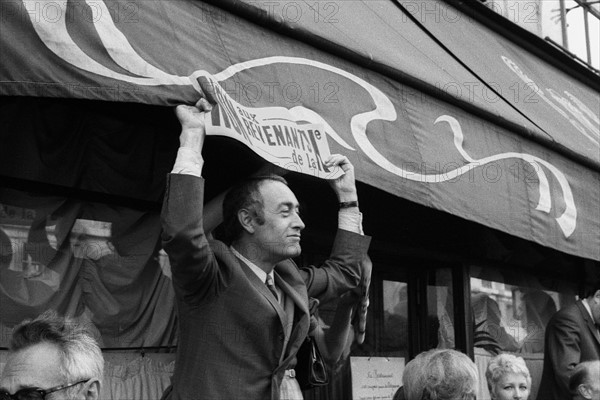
column 271, row 285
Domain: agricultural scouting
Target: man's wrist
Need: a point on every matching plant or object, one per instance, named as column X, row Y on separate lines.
column 192, row 138
column 350, row 219
column 350, row 196
column 188, row 161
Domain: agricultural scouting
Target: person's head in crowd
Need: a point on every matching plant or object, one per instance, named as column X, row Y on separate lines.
column 440, row 374
column 52, row 357
column 584, row 383
column 412, row 379
column 508, row 378
column 592, row 297
column 261, row 214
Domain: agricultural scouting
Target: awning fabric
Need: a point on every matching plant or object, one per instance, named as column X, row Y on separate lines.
column 501, row 161
column 564, row 109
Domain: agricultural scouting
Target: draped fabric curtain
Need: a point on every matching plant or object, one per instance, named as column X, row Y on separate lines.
column 98, row 263
column 137, row 376
column 79, row 217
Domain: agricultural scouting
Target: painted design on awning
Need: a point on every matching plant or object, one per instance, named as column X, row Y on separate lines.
column 580, row 115
column 54, row 34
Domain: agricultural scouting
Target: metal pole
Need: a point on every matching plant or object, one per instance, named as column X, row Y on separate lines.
column 587, row 35
column 563, row 24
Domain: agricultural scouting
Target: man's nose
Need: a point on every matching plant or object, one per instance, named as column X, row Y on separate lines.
column 298, row 223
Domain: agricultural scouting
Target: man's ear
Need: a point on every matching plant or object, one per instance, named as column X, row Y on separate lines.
column 92, row 390
column 584, row 391
column 246, row 220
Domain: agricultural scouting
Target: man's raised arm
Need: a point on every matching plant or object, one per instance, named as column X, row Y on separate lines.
column 342, row 271
column 191, row 140
column 192, row 262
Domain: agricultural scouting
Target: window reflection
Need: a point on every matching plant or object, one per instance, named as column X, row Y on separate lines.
column 395, row 319
column 95, row 262
column 511, row 318
column 510, row 312
column 492, row 333
column 440, row 316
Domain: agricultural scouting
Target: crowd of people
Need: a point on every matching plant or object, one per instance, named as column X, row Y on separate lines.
column 245, row 308
column 52, row 354
column 448, row 374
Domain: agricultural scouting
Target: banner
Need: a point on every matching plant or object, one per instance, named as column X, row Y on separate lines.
column 519, row 159
column 271, row 132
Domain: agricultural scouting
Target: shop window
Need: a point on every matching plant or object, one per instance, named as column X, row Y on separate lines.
column 440, row 310
column 510, row 311
column 512, row 317
column 394, row 341
column 387, row 331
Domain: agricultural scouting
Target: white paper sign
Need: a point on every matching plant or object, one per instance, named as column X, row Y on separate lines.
column 376, row 378
column 271, row 132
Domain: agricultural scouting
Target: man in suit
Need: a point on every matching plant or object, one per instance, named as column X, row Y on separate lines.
column 243, row 306
column 572, row 337
column 585, row 381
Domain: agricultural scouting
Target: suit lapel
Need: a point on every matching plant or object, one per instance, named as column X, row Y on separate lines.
column 294, row 292
column 592, row 328
column 262, row 289
column 290, row 282
column 589, row 321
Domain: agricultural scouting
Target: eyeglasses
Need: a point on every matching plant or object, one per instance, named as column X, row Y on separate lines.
column 36, row 393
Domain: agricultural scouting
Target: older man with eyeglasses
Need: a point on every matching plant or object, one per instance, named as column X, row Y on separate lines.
column 52, row 358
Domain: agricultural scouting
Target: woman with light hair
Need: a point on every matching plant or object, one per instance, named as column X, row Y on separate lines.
column 508, row 378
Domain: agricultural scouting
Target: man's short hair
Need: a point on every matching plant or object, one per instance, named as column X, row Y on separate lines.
column 244, row 195
column 592, row 282
column 441, row 374
column 591, row 290
column 81, row 357
column 582, row 375
column 503, row 364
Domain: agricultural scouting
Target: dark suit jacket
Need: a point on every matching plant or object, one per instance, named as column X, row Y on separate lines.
column 571, row 338
column 231, row 327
